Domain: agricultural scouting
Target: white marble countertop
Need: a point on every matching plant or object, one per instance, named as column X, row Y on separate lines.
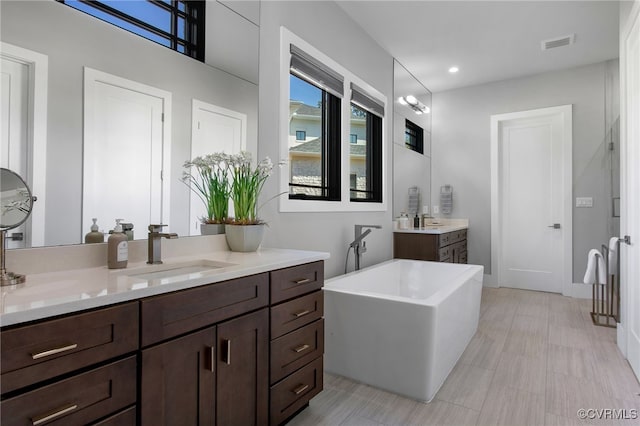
column 441, row 226
column 55, row 293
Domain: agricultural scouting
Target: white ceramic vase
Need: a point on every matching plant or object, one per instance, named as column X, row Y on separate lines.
column 244, row 238
column 211, row 228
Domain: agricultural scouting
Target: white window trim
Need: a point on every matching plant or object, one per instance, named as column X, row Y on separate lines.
column 345, row 205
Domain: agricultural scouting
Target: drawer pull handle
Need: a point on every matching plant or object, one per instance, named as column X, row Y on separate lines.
column 227, row 352
column 300, row 389
column 302, row 281
column 301, row 313
column 301, row 348
column 46, row 417
column 53, row 351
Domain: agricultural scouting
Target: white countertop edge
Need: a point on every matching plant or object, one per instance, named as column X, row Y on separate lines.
column 435, row 230
column 245, row 264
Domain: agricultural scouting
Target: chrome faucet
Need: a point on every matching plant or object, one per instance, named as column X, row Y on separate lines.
column 358, row 244
column 154, row 246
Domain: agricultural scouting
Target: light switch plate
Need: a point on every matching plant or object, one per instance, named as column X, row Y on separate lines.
column 436, row 209
column 584, row 201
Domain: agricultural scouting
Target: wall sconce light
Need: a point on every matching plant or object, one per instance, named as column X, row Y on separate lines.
column 413, row 103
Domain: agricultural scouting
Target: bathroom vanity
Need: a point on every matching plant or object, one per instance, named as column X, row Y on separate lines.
column 444, row 242
column 238, row 343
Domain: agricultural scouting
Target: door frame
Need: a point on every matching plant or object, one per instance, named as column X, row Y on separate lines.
column 38, row 65
column 627, row 338
column 566, row 112
column 93, row 76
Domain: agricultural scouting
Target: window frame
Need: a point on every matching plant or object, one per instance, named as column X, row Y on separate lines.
column 303, row 133
column 194, row 22
column 344, row 204
column 353, row 138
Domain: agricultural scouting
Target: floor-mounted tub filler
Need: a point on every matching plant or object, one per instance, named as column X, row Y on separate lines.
column 401, row 325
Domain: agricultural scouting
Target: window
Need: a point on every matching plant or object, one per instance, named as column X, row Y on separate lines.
column 342, row 163
column 301, row 135
column 414, row 137
column 365, row 157
column 314, row 99
column 176, row 24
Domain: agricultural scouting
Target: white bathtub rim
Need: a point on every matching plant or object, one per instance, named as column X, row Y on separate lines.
column 432, row 300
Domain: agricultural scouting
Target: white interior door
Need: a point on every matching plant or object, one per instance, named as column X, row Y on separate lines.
column 124, row 142
column 14, row 103
column 531, row 199
column 629, row 329
column 214, row 129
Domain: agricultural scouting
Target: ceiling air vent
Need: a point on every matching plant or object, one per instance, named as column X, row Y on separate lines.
column 558, row 42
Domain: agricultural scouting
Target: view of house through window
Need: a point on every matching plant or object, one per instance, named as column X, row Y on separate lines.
column 358, row 153
column 176, row 24
column 308, row 153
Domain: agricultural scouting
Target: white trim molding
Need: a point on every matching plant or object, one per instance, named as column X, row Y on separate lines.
column 38, row 65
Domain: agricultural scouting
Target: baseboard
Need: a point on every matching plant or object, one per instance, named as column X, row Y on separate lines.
column 580, row 291
column 621, row 339
column 488, row 281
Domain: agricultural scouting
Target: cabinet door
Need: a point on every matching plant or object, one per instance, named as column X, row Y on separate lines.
column 178, row 381
column 243, row 370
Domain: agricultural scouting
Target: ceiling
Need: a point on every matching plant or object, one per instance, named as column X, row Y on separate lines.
column 487, row 40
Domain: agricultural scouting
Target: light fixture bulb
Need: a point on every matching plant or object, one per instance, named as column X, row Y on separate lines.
column 427, row 110
column 412, row 100
column 454, row 70
column 402, row 101
column 418, row 112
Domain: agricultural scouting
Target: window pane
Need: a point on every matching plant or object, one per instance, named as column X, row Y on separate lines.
column 118, row 22
column 358, row 154
column 181, row 33
column 145, row 11
column 306, row 154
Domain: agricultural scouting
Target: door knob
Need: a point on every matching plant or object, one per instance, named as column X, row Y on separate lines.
column 554, row 226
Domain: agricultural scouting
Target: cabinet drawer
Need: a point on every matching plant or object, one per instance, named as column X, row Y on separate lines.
column 295, row 391
column 293, row 350
column 77, row 400
column 296, row 281
column 445, row 239
column 177, row 313
column 294, row 314
column 444, row 253
column 123, row 418
column 48, row 349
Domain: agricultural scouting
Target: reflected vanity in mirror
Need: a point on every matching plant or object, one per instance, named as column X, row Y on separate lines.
column 120, row 114
column 16, row 203
column 411, row 141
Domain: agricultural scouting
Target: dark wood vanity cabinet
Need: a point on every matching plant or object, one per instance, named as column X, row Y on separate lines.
column 246, row 351
column 297, row 339
column 449, row 247
column 73, row 370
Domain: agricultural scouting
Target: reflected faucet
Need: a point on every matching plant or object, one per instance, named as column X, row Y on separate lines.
column 154, row 246
column 358, row 244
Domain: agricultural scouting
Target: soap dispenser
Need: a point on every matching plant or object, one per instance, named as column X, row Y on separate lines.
column 118, row 248
column 95, row 236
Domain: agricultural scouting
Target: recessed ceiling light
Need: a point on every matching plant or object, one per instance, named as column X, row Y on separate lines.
column 454, row 70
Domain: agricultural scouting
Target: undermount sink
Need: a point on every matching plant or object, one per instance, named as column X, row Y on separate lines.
column 170, row 270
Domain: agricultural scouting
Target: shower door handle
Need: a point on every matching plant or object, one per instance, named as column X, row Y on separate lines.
column 554, row 226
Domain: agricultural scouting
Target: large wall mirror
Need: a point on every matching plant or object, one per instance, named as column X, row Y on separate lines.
column 411, row 140
column 109, row 115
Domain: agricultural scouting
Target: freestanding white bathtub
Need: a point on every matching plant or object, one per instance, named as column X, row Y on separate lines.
column 401, row 325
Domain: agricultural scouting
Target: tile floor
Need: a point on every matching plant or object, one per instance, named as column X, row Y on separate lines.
column 536, row 359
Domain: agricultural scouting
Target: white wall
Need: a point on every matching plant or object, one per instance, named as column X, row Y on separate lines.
column 461, row 142
column 72, row 40
column 325, row 26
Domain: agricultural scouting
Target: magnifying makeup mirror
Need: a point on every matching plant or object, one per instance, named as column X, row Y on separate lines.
column 15, row 207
